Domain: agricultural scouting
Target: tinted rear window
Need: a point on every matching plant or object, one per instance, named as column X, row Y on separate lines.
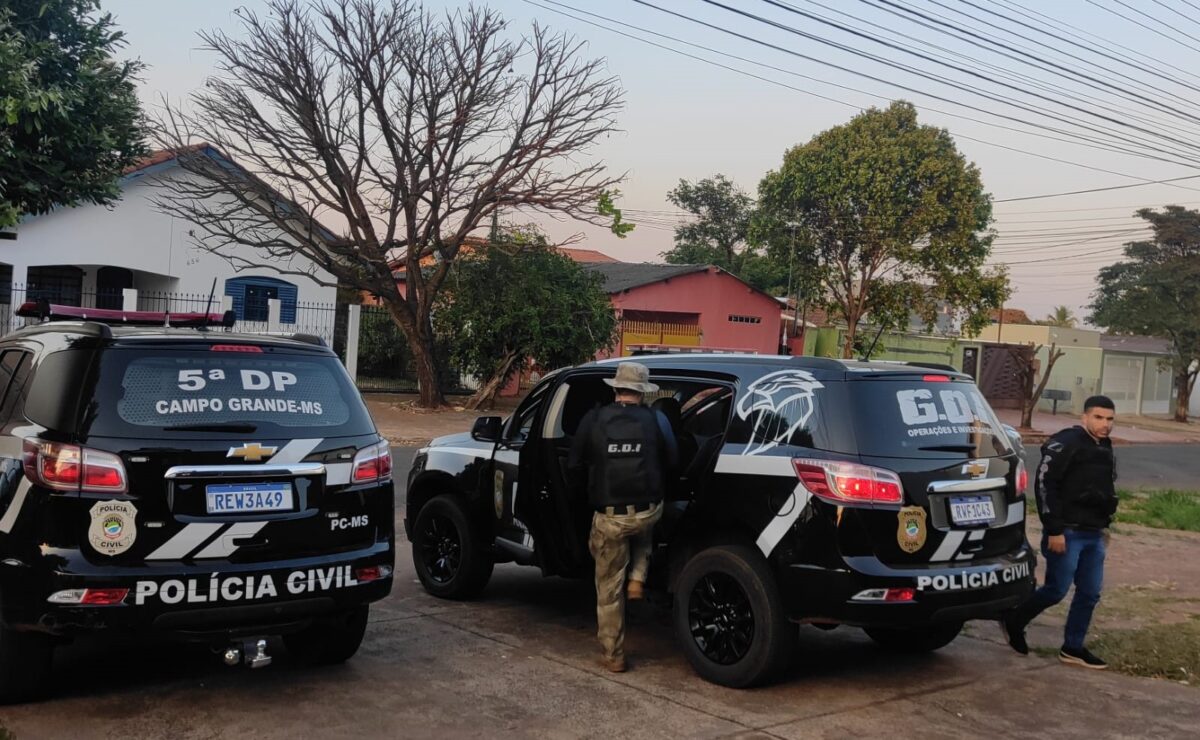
column 144, row 392
column 899, row 418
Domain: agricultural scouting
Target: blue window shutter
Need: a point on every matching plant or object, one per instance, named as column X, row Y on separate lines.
column 287, row 303
column 235, row 288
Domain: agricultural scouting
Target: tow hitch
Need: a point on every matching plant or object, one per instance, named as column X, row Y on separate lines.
column 252, row 652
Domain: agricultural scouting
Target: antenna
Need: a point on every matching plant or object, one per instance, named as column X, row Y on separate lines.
column 867, row 354
column 208, row 305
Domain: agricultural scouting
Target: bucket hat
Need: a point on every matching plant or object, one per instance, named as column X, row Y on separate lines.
column 632, row 376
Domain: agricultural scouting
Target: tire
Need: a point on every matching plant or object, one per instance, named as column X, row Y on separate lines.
column 329, row 641
column 729, row 617
column 924, row 639
column 25, row 660
column 448, row 554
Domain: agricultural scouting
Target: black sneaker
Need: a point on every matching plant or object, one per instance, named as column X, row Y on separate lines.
column 1081, row 657
column 1014, row 634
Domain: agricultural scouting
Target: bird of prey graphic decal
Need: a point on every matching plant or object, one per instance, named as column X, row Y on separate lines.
column 777, row 405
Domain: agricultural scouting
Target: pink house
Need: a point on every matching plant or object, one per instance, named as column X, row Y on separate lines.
column 680, row 308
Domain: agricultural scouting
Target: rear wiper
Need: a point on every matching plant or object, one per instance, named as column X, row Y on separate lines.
column 949, row 448
column 216, row 426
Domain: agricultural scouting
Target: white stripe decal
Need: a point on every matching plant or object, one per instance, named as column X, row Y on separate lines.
column 458, row 451
column 756, row 465
column 14, row 506
column 949, row 546
column 783, row 519
column 508, row 457
column 338, row 474
column 185, row 540
column 1016, row 512
column 294, row 451
column 976, row 535
column 227, row 543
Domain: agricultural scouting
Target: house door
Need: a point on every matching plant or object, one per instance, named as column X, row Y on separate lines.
column 111, row 283
column 1123, row 382
column 998, row 376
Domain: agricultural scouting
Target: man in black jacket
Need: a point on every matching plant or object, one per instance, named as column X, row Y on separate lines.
column 1076, row 501
column 624, row 450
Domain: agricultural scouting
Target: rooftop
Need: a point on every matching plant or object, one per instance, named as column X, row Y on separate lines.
column 619, row 276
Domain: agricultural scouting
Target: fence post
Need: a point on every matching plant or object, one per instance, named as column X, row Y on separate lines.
column 353, row 323
column 129, row 299
column 273, row 308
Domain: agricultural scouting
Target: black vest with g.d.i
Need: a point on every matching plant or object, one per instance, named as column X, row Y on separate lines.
column 624, row 457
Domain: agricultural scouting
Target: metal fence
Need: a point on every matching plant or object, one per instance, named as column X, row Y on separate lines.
column 385, row 361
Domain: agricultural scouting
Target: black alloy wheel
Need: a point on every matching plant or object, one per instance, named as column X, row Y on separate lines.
column 441, row 548
column 451, row 551
column 721, row 619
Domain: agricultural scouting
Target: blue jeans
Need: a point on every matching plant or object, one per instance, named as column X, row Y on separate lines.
column 1083, row 563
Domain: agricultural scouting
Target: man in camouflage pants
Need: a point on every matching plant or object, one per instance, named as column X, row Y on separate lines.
column 624, row 450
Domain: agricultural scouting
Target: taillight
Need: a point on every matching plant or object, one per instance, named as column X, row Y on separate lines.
column 849, row 484
column 1022, row 478
column 936, row 378
column 373, row 463
column 66, row 467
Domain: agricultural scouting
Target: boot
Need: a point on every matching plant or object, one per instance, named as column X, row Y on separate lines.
column 615, row 664
column 636, row 591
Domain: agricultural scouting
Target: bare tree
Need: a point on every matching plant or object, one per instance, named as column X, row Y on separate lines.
column 1028, row 367
column 404, row 129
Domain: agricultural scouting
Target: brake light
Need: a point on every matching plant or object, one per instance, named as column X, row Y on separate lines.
column 236, row 348
column 372, row 573
column 373, row 463
column 849, row 484
column 104, row 596
column 936, row 378
column 66, row 467
column 1022, row 478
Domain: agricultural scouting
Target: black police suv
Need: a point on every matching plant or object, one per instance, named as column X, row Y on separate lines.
column 215, row 486
column 880, row 495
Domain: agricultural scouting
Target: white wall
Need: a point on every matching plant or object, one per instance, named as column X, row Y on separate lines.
column 133, row 234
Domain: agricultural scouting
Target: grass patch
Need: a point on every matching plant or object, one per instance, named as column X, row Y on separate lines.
column 1168, row 509
column 1170, row 651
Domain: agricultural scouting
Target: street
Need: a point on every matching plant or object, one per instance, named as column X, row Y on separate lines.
column 521, row 662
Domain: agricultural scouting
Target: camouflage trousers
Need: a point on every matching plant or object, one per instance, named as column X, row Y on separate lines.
column 619, row 542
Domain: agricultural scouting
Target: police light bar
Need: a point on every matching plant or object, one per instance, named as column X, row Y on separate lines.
column 54, row 311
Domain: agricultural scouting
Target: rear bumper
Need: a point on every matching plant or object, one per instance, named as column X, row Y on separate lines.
column 943, row 592
column 198, row 601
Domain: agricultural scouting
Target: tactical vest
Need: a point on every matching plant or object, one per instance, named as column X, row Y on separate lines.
column 624, row 457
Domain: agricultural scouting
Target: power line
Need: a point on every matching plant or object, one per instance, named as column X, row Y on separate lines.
column 844, row 87
column 1139, row 23
column 1096, row 190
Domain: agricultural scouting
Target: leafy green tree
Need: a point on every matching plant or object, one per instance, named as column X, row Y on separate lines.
column 69, row 116
column 719, row 234
column 1155, row 290
column 520, row 299
column 898, row 218
column 1061, row 316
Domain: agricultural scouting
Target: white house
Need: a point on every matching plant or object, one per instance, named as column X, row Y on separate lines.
column 88, row 255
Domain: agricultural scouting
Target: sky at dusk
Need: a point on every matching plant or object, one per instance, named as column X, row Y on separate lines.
column 688, row 118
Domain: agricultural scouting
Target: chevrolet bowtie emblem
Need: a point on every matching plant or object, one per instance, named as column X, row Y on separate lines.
column 251, row 452
column 975, row 468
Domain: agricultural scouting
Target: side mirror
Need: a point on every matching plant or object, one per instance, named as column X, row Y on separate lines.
column 487, row 429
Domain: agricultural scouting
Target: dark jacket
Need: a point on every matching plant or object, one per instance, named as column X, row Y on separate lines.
column 1075, row 482
column 622, row 452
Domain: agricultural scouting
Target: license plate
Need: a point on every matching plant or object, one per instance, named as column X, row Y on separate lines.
column 247, row 498
column 971, row 509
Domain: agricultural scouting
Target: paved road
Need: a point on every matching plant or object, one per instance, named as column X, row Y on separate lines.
column 521, row 662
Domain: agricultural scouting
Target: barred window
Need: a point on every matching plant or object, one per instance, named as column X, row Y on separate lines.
column 738, row 319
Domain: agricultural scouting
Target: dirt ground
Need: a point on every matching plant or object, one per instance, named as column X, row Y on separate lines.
column 403, row 423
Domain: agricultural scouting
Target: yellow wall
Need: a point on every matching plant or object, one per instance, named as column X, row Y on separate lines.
column 1025, row 333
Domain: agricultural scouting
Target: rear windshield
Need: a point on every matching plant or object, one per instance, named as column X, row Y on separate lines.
column 167, row 392
column 898, row 418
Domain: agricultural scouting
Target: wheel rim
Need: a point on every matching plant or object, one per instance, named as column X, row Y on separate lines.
column 721, row 619
column 441, row 549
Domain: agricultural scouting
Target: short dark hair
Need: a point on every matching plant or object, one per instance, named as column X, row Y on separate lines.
column 1103, row 402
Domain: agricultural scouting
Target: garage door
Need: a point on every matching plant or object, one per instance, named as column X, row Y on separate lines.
column 1123, row 382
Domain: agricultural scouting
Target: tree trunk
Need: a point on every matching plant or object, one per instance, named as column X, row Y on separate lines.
column 851, row 335
column 429, row 386
column 1183, row 397
column 486, row 395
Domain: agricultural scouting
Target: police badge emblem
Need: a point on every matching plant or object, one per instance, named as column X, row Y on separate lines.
column 910, row 534
column 114, row 526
